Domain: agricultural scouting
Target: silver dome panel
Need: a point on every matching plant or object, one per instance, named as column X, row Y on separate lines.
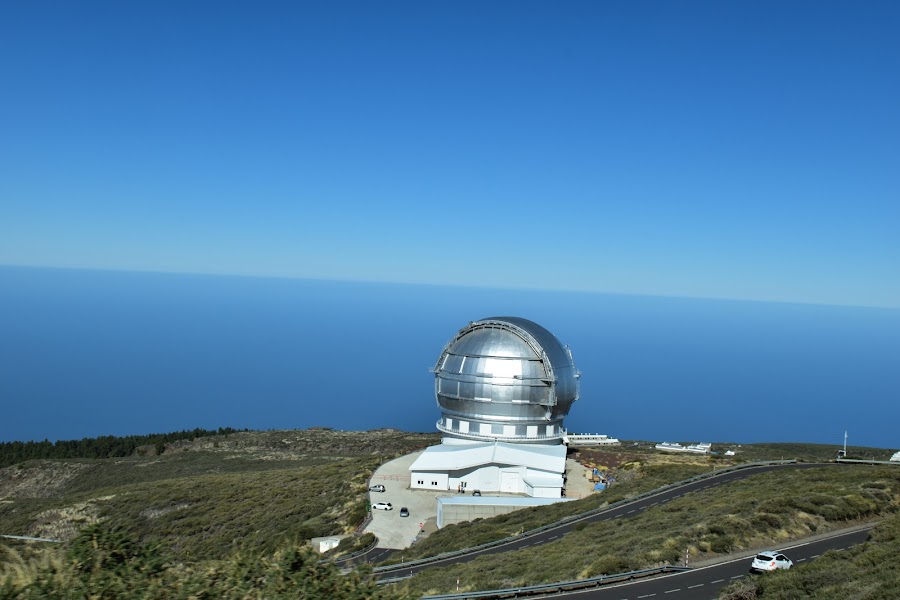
column 505, row 378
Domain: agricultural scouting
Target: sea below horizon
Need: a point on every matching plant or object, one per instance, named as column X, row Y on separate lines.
column 86, row 353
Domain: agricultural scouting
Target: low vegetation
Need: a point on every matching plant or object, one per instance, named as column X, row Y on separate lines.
column 869, row 571
column 203, row 499
column 640, row 477
column 757, row 511
column 105, row 563
column 228, row 515
column 640, row 468
column 763, row 451
column 107, row 446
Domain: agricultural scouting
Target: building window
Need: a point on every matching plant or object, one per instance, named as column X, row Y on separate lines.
column 420, row 482
column 434, row 483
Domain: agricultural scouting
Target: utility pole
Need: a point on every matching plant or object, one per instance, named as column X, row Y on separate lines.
column 845, row 442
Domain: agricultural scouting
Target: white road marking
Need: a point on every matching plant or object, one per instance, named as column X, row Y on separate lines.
column 815, row 556
column 690, row 587
column 646, row 596
column 553, row 538
column 800, row 559
column 630, row 511
column 670, row 591
column 717, row 581
column 737, row 576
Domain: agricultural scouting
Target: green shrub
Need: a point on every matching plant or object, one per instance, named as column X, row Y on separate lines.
column 107, row 564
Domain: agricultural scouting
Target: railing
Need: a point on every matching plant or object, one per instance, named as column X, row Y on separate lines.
column 499, row 437
column 559, row 587
column 357, row 554
column 868, row 462
column 574, row 518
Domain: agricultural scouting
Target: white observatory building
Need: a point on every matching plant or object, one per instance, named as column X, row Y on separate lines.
column 504, row 385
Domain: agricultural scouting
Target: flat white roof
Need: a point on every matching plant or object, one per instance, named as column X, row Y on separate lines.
column 453, row 457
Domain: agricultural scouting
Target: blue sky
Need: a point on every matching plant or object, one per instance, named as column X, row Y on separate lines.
column 713, row 149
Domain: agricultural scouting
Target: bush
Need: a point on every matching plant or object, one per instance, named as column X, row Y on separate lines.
column 107, row 564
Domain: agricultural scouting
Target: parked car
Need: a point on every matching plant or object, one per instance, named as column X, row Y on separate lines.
column 769, row 561
column 376, row 488
column 404, row 512
column 476, row 492
column 382, row 506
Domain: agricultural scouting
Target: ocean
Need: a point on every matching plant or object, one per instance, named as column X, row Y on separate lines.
column 86, row 353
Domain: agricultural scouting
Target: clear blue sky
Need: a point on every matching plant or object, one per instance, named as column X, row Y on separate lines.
column 719, row 149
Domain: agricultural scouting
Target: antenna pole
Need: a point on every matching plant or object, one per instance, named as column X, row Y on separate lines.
column 845, row 443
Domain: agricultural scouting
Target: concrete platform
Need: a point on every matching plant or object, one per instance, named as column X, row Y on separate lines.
column 577, row 483
column 396, row 532
column 392, row 530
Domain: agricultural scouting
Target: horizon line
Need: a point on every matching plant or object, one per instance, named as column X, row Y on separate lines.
column 449, row 285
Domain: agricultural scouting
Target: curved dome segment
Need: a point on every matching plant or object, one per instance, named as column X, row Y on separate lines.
column 505, row 378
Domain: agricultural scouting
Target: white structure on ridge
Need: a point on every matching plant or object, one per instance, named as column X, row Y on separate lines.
column 696, row 448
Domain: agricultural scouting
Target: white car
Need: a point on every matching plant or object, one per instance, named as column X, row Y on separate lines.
column 382, row 506
column 770, row 561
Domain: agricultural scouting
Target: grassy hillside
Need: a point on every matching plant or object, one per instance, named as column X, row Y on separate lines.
column 763, row 451
column 641, row 477
column 869, row 571
column 763, row 509
column 228, row 516
column 639, row 467
column 104, row 563
column 204, row 498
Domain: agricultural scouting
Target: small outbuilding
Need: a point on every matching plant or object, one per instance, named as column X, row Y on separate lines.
column 324, row 544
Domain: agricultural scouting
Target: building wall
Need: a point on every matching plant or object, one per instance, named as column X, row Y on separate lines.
column 459, row 513
column 543, row 492
column 429, row 481
column 488, row 478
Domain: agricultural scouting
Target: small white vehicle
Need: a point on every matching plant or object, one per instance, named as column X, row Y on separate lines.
column 376, row 488
column 382, row 506
column 770, row 561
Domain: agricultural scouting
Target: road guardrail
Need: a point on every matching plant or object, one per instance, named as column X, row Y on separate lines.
column 559, row 587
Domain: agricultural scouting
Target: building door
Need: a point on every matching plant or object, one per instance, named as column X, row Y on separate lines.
column 509, row 482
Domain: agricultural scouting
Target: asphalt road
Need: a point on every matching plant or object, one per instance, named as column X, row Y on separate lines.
column 706, row 582
column 619, row 512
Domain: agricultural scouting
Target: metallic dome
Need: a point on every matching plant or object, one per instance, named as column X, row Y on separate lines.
column 506, row 379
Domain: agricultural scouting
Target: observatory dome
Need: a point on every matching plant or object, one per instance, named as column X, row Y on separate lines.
column 505, row 379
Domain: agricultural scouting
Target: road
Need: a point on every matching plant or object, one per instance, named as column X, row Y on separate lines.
column 706, row 582
column 619, row 512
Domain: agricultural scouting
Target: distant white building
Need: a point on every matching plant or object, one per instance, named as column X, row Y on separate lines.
column 695, row 448
column 896, row 457
column 589, row 439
